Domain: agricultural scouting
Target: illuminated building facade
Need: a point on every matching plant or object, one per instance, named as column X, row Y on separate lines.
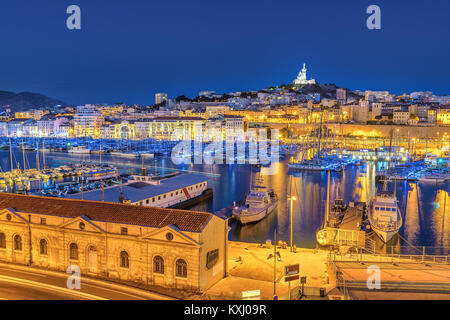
column 87, row 121
column 154, row 246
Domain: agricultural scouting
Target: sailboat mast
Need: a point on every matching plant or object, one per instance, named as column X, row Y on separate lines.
column 23, row 155
column 10, row 154
column 37, row 156
column 327, row 209
column 43, row 151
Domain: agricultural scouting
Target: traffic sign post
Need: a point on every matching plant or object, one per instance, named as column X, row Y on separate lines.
column 291, row 273
column 303, row 281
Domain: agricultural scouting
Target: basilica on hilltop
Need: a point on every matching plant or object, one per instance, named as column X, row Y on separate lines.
column 301, row 78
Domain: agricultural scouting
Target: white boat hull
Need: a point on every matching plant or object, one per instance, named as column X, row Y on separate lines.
column 257, row 216
column 385, row 236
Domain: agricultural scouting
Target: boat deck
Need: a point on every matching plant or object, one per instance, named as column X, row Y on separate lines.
column 353, row 218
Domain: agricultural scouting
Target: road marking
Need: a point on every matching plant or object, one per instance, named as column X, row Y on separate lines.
column 25, row 272
column 50, row 287
column 116, row 291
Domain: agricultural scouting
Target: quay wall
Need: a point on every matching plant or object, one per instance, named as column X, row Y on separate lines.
column 383, row 131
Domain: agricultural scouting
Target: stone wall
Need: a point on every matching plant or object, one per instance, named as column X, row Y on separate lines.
column 99, row 252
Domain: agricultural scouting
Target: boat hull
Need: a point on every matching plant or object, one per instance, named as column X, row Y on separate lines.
column 258, row 216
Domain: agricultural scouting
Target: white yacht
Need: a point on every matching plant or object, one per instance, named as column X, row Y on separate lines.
column 433, row 178
column 384, row 215
column 259, row 203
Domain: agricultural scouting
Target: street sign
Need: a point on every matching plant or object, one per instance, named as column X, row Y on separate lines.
column 251, row 295
column 292, row 269
column 291, row 278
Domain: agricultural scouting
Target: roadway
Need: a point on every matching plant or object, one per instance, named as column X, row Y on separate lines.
column 22, row 283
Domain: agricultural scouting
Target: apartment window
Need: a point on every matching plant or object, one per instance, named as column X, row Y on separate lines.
column 141, row 203
column 164, row 196
column 158, row 264
column 153, row 199
column 171, row 194
column 43, row 221
column 73, row 251
column 181, row 268
column 124, row 230
column 43, row 246
column 176, row 193
column 159, row 197
column 2, row 240
column 124, row 260
column 17, row 242
column 147, row 201
column 211, row 258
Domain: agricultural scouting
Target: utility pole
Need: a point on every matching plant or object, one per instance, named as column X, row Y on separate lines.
column 275, row 264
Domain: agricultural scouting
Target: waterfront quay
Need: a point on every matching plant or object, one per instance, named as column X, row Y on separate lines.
column 329, row 276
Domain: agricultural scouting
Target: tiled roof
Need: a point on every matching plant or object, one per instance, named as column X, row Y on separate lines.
column 185, row 220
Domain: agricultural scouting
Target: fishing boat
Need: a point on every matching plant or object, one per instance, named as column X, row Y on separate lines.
column 384, row 215
column 259, row 203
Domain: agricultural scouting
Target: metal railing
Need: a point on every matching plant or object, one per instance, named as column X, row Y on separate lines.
column 389, row 258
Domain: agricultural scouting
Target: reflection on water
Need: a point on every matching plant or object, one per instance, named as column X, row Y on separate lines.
column 422, row 205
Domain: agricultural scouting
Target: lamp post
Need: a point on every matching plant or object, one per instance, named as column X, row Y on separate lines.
column 291, row 200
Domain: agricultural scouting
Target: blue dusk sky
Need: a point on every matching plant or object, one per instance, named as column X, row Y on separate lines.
column 126, row 51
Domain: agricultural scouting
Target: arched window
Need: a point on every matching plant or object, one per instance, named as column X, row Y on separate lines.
column 158, row 264
column 73, row 251
column 2, row 240
column 124, row 260
column 181, row 268
column 17, row 243
column 43, row 246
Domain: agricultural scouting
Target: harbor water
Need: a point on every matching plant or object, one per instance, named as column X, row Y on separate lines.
column 425, row 207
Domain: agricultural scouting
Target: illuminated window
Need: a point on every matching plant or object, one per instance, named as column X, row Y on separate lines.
column 158, row 265
column 43, row 246
column 382, row 209
column 17, row 243
column 2, row 240
column 73, row 251
column 124, row 260
column 181, row 268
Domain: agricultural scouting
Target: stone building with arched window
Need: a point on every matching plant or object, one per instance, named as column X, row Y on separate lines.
column 155, row 246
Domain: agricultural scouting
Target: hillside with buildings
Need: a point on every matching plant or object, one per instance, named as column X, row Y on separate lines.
column 27, row 100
